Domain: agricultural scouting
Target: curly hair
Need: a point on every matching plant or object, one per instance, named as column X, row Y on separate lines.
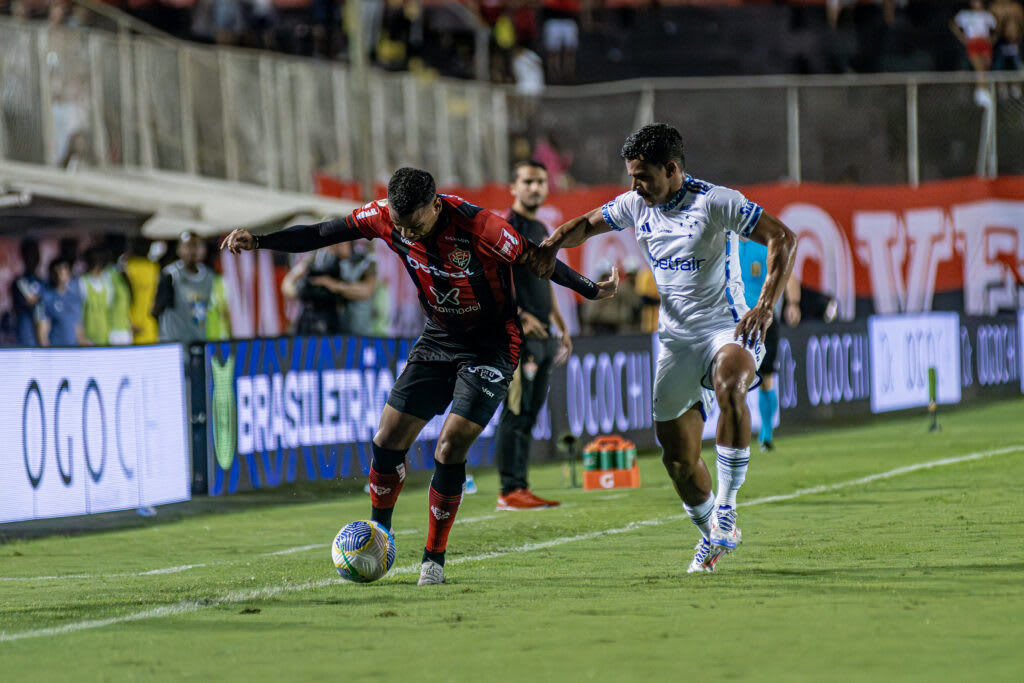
column 409, row 189
column 655, row 143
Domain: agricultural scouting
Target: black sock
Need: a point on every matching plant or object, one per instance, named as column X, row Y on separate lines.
column 436, row 557
column 448, row 480
column 386, row 460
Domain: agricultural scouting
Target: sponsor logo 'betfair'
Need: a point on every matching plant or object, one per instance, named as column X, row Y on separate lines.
column 434, row 270
column 691, row 264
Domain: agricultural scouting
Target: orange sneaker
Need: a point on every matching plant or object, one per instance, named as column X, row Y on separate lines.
column 520, row 499
column 544, row 501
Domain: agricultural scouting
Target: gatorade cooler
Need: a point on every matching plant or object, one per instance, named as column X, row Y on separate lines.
column 616, row 468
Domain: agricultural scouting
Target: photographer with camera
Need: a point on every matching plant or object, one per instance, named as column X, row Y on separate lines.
column 335, row 286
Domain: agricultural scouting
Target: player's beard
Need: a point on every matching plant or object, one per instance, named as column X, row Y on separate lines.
column 531, row 206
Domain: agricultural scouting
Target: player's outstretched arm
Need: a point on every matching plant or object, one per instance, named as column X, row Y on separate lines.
column 567, row 277
column 541, row 261
column 781, row 243
column 296, row 239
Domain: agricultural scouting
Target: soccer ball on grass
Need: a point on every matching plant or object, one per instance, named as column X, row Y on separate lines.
column 363, row 551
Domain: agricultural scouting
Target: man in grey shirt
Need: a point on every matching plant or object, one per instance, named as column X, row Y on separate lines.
column 185, row 293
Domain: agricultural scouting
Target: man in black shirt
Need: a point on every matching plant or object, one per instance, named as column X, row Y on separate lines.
column 540, row 351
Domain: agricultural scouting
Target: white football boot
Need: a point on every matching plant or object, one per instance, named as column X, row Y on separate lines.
column 725, row 535
column 431, row 573
column 704, row 558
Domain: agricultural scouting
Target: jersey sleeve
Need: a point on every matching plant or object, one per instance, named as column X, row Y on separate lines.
column 619, row 213
column 730, row 210
column 369, row 219
column 498, row 238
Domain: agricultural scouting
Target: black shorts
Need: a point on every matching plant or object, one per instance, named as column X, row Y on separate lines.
column 473, row 379
column 771, row 349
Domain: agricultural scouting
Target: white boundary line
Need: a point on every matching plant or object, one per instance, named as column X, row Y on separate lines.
column 186, row 567
column 271, row 591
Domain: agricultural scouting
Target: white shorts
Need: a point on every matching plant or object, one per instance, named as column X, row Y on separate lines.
column 561, row 34
column 682, row 380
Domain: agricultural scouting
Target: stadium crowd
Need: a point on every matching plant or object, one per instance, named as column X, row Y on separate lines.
column 108, row 292
column 534, row 42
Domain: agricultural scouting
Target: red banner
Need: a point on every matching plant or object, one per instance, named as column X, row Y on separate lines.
column 895, row 245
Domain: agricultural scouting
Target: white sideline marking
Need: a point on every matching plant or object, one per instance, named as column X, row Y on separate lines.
column 120, row 575
column 271, row 591
column 403, row 532
column 169, row 570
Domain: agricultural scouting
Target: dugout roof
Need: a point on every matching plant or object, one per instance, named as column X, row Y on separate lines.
column 164, row 204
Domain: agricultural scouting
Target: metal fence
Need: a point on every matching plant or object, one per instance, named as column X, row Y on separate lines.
column 863, row 129
column 88, row 96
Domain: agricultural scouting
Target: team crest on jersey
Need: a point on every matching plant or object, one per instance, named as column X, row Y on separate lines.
column 460, row 257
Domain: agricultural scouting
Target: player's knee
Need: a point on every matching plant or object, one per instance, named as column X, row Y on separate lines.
column 732, row 396
column 452, row 448
column 390, row 439
column 679, row 460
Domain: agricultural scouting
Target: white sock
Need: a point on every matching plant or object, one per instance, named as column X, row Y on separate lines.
column 701, row 515
column 732, row 470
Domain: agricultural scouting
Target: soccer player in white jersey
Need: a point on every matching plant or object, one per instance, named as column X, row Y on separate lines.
column 688, row 231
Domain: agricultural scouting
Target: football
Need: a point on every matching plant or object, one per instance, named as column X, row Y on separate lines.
column 363, row 551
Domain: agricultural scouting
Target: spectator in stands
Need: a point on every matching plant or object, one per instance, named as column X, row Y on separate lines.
column 1009, row 30
column 325, row 18
column 218, row 21
column 561, row 33
column 524, row 19
column 58, row 315
column 528, row 73
column 25, row 293
column 260, row 23
column 335, row 286
column 396, row 28
column 57, row 13
column 503, row 45
column 142, row 275
column 104, row 317
column 121, row 332
column 190, row 303
column 975, row 28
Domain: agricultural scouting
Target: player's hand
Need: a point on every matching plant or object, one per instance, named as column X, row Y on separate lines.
column 752, row 328
column 606, row 289
column 540, row 260
column 532, row 326
column 791, row 314
column 238, row 240
column 564, row 350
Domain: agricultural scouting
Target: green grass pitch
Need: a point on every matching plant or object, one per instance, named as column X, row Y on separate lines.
column 877, row 552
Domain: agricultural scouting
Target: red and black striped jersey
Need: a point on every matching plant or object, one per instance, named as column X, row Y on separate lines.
column 462, row 270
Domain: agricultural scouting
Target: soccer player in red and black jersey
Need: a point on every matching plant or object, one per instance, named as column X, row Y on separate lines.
column 460, row 258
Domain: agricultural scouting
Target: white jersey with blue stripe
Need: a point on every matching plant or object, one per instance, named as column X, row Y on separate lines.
column 691, row 246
